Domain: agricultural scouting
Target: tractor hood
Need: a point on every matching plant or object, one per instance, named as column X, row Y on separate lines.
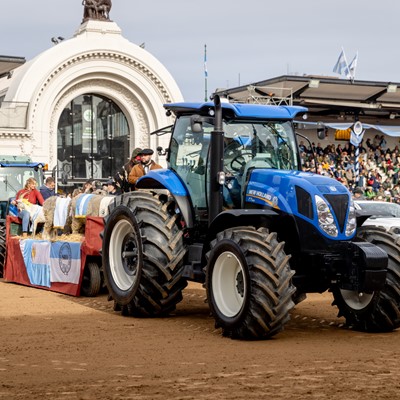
column 296, row 193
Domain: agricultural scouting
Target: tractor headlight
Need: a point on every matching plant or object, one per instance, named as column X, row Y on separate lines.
column 351, row 224
column 325, row 217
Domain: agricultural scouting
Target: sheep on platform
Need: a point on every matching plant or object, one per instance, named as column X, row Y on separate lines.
column 56, row 211
column 36, row 214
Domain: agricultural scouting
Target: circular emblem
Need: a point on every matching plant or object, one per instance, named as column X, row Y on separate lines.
column 358, row 128
column 88, row 115
column 65, row 258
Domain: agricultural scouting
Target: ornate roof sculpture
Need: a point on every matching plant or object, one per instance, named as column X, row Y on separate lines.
column 96, row 9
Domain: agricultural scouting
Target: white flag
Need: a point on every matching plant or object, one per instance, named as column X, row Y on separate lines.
column 341, row 67
column 65, row 262
column 353, row 66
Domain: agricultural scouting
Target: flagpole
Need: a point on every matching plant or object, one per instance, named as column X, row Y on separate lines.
column 205, row 73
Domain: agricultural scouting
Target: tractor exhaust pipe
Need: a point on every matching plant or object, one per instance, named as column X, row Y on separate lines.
column 216, row 164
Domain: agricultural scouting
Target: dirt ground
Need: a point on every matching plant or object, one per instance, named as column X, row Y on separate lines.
column 59, row 347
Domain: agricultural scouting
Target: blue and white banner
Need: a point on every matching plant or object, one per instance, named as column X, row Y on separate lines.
column 205, row 61
column 82, row 205
column 341, row 67
column 65, row 262
column 36, row 256
column 353, row 66
column 61, row 212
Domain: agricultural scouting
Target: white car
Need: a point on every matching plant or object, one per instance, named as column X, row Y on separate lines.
column 383, row 214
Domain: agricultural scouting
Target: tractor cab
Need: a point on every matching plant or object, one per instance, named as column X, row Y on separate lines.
column 248, row 144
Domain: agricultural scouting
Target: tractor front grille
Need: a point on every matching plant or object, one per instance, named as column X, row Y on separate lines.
column 339, row 204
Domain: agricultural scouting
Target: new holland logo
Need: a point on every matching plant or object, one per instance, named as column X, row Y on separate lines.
column 65, row 258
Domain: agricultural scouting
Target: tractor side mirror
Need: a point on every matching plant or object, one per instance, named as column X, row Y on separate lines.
column 196, row 124
column 161, row 151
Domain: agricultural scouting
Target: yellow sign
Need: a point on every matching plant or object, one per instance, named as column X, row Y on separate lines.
column 343, row 134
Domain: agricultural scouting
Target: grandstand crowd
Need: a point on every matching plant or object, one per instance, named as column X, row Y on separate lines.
column 379, row 167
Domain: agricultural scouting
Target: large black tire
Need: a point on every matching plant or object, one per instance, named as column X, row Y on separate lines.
column 143, row 253
column 249, row 283
column 91, row 280
column 378, row 311
column 2, row 249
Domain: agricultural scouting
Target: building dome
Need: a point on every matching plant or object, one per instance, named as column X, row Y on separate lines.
column 92, row 98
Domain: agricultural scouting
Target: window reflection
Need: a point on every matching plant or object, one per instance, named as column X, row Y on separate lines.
column 93, row 140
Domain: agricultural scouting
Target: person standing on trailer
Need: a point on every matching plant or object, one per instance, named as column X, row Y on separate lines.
column 146, row 164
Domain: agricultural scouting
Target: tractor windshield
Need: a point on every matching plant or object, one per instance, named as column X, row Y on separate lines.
column 259, row 145
column 248, row 145
column 13, row 179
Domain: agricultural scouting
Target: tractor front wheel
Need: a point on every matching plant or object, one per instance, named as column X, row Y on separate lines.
column 248, row 281
column 378, row 311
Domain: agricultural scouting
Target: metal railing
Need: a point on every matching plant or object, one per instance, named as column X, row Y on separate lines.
column 276, row 96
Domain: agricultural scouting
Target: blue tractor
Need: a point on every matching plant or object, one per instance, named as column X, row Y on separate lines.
column 235, row 212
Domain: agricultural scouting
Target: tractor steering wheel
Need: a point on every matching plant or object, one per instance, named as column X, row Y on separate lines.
column 284, row 156
column 240, row 161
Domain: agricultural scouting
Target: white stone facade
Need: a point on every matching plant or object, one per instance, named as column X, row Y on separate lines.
column 97, row 60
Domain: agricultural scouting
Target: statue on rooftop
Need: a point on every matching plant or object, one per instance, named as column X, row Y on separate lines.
column 96, row 9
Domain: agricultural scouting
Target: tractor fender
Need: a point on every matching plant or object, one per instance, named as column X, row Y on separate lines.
column 245, row 217
column 167, row 179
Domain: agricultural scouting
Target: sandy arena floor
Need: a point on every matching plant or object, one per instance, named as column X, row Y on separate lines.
column 59, row 347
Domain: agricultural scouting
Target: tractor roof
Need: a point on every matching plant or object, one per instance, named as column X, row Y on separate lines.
column 16, row 161
column 238, row 110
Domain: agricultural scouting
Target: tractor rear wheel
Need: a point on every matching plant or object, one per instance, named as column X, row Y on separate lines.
column 2, row 249
column 378, row 311
column 143, row 253
column 248, row 282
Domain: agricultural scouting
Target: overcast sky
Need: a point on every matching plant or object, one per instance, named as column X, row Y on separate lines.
column 247, row 41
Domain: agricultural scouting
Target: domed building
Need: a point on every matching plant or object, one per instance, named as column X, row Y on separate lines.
column 83, row 105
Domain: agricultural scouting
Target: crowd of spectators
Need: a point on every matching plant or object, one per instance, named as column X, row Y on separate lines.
column 379, row 167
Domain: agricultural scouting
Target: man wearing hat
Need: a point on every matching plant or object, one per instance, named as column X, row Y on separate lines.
column 146, row 164
column 121, row 178
column 358, row 193
column 112, row 188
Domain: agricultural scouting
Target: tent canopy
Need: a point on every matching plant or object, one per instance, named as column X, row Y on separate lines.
column 328, row 99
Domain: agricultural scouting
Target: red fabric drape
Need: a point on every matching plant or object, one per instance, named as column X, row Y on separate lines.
column 15, row 271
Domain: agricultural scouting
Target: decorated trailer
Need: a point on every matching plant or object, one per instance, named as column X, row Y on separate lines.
column 69, row 264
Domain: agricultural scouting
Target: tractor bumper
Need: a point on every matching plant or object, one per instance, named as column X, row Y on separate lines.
column 373, row 263
column 366, row 268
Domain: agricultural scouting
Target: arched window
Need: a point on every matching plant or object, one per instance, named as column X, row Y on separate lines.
column 93, row 140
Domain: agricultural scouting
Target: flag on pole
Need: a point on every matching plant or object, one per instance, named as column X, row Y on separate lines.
column 353, row 66
column 205, row 73
column 341, row 67
column 205, row 61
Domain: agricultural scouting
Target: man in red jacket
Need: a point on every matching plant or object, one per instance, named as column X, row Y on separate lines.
column 31, row 194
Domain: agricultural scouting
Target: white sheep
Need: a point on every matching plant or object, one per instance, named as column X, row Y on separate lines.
column 36, row 214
